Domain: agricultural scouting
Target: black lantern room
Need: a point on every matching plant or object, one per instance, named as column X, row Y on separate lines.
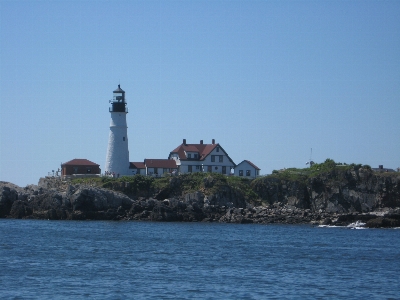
column 118, row 103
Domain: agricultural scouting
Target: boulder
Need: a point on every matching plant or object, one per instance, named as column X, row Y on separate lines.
column 98, row 199
column 19, row 210
column 8, row 194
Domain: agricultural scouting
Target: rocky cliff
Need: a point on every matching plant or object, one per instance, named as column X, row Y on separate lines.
column 338, row 191
column 337, row 197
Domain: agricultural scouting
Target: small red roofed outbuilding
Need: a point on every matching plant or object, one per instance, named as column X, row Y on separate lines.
column 79, row 166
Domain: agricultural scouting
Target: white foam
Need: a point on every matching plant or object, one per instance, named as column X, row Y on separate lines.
column 357, row 225
column 329, row 226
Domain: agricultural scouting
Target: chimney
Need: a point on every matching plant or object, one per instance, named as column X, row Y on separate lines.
column 213, row 141
column 184, row 142
column 201, row 142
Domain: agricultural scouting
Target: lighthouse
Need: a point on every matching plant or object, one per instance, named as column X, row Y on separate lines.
column 117, row 160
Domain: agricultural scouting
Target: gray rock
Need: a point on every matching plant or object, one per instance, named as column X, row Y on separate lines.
column 97, row 199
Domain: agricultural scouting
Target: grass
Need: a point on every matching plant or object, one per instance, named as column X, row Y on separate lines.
column 327, row 167
column 141, row 185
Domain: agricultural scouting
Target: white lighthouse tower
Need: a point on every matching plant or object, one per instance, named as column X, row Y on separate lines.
column 117, row 160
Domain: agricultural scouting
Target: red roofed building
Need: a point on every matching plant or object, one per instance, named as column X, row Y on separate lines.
column 80, row 166
column 158, row 167
column 191, row 158
column 137, row 168
column 153, row 167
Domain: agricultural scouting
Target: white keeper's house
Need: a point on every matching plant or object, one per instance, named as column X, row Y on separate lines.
column 212, row 158
column 191, row 158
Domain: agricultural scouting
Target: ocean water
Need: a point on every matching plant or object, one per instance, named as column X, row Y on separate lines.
column 143, row 260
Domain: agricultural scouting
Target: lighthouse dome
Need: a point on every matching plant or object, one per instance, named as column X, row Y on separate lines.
column 119, row 90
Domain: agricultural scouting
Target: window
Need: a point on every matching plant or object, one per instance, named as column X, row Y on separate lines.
column 197, row 167
column 248, row 172
column 155, row 171
column 240, row 172
column 209, row 169
column 221, row 158
column 189, row 155
column 88, row 170
column 190, row 169
column 123, row 139
column 212, row 158
column 217, row 149
column 223, row 170
column 75, row 170
column 195, row 155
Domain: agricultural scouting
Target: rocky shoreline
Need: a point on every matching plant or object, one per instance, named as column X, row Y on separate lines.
column 56, row 200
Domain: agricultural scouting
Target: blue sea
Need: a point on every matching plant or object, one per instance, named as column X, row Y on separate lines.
column 42, row 259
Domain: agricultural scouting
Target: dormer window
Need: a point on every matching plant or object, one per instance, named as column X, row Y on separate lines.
column 189, row 155
column 195, row 155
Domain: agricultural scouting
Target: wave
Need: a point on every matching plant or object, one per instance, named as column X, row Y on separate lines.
column 355, row 225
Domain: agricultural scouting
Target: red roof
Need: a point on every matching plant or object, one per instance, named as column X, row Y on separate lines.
column 79, row 162
column 202, row 149
column 160, row 163
column 137, row 165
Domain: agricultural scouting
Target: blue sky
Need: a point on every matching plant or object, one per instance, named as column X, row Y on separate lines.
column 268, row 80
